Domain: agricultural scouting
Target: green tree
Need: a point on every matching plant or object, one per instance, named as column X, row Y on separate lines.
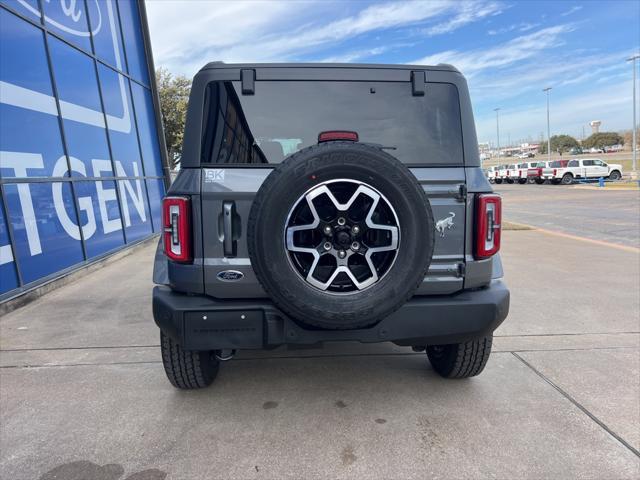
column 174, row 97
column 603, row 139
column 559, row 144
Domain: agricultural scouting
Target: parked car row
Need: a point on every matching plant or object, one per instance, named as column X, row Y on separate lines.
column 563, row 172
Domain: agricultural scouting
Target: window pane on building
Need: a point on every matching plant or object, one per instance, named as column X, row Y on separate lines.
column 146, row 129
column 8, row 276
column 135, row 210
column 156, row 193
column 107, row 38
column 27, row 104
column 46, row 233
column 69, row 20
column 82, row 113
column 99, row 216
column 134, row 45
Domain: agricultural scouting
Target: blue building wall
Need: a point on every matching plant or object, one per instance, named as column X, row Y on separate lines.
column 81, row 171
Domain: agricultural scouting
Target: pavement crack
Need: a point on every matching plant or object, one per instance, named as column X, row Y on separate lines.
column 59, row 365
column 564, row 334
column 579, row 406
column 98, row 347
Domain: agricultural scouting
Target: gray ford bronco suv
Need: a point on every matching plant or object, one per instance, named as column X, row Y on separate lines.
column 328, row 202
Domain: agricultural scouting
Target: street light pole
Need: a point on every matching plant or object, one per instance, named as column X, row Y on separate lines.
column 634, row 145
column 546, row 90
column 497, row 130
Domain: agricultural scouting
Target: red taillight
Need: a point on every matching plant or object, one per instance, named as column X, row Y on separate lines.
column 555, row 172
column 176, row 222
column 337, row 135
column 488, row 225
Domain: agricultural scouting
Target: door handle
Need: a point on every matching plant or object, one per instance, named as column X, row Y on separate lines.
column 228, row 242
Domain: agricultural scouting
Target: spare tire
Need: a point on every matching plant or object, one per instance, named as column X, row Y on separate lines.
column 340, row 235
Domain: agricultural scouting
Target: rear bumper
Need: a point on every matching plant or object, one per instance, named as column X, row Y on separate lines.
column 204, row 323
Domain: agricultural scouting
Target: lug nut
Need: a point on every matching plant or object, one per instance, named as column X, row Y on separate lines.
column 355, row 246
column 355, row 230
column 342, row 254
column 327, row 246
column 341, row 221
column 327, row 230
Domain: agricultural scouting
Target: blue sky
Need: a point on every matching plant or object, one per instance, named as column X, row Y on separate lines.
column 508, row 50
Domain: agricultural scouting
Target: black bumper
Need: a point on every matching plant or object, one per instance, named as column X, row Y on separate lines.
column 204, row 323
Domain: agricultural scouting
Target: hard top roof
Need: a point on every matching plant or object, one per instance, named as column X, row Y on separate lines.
column 440, row 67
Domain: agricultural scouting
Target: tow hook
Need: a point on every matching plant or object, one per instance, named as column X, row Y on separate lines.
column 227, row 358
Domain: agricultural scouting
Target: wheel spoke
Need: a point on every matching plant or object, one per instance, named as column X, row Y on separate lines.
column 310, row 226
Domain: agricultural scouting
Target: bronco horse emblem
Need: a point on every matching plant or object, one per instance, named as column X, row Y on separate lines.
column 445, row 224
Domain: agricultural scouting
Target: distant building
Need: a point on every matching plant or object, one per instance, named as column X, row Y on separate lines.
column 595, row 126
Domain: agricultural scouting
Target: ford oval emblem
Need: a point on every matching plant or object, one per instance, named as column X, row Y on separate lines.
column 230, row 275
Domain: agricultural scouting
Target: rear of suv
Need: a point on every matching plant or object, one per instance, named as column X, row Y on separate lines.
column 325, row 202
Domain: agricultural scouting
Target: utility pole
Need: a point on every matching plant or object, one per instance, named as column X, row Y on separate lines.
column 634, row 145
column 546, row 90
column 497, row 130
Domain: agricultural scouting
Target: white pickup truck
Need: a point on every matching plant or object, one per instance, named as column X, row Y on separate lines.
column 501, row 174
column 509, row 173
column 588, row 168
column 492, row 172
column 537, row 172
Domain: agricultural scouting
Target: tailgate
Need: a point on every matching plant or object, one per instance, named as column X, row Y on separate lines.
column 227, row 195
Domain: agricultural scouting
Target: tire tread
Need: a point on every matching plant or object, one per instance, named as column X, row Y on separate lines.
column 185, row 369
column 463, row 360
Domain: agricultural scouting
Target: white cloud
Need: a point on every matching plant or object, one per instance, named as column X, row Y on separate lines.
column 356, row 55
column 468, row 12
column 520, row 48
column 571, row 11
column 520, row 27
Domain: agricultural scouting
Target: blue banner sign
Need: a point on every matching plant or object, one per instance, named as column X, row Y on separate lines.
column 80, row 164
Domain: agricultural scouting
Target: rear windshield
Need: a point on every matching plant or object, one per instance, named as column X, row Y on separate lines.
column 283, row 117
column 557, row 164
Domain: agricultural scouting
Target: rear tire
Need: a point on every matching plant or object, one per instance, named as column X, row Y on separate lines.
column 187, row 369
column 498, row 181
column 539, row 181
column 460, row 360
column 567, row 179
column 522, row 181
column 510, row 181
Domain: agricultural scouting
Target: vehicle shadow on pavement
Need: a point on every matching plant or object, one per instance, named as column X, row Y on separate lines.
column 83, row 470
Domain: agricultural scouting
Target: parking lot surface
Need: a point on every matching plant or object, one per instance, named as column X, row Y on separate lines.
column 83, row 393
column 599, row 214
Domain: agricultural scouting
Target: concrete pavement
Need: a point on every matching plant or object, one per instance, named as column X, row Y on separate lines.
column 599, row 214
column 83, row 393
